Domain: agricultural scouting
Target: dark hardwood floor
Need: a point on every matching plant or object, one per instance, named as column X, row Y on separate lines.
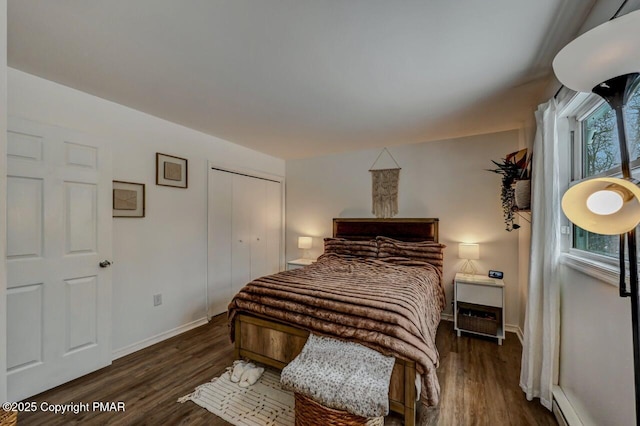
column 479, row 382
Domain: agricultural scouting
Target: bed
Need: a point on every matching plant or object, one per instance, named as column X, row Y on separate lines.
column 350, row 297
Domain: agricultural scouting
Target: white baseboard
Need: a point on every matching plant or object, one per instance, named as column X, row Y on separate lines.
column 119, row 353
column 511, row 328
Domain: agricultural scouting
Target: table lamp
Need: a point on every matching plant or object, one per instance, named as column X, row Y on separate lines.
column 305, row 243
column 469, row 252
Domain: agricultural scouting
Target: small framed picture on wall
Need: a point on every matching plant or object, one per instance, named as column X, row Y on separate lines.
column 128, row 199
column 171, row 171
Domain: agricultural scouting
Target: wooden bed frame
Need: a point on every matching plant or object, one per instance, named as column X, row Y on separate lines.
column 275, row 343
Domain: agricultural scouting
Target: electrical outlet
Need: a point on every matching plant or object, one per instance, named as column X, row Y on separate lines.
column 157, row 299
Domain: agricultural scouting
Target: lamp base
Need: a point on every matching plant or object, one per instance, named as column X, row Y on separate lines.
column 469, row 268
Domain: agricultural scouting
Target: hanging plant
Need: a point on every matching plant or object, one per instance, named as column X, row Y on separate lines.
column 511, row 171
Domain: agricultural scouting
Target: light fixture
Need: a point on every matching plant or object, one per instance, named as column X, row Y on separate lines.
column 305, row 243
column 606, row 61
column 608, row 206
column 469, row 252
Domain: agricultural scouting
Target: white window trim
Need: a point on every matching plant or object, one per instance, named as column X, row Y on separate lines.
column 603, row 268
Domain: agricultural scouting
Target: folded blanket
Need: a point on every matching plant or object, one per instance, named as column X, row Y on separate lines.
column 341, row 375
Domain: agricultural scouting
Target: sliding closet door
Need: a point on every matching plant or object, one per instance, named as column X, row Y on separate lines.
column 258, row 229
column 219, row 240
column 257, row 225
column 244, row 203
column 273, row 224
column 245, row 233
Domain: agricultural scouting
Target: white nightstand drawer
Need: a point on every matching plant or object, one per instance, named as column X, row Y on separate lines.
column 479, row 294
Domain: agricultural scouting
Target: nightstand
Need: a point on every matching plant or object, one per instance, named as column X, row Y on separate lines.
column 299, row 263
column 478, row 305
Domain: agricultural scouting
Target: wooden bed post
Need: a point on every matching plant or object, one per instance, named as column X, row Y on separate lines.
column 237, row 338
column 409, row 394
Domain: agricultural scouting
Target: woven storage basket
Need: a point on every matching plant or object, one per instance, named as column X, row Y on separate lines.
column 476, row 321
column 8, row 418
column 479, row 325
column 312, row 413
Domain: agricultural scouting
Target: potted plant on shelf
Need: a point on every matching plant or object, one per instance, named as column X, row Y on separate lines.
column 515, row 193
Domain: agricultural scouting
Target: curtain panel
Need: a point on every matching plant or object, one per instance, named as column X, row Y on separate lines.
column 540, row 353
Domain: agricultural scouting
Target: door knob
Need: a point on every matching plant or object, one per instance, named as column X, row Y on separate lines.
column 104, row 263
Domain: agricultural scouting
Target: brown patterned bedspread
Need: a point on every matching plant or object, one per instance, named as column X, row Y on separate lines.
column 392, row 308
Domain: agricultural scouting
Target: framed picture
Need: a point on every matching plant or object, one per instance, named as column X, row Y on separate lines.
column 128, row 199
column 171, row 171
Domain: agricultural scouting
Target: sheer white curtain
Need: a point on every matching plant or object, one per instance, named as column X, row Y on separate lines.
column 539, row 369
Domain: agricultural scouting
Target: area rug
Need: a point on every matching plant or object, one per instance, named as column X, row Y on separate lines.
column 263, row 404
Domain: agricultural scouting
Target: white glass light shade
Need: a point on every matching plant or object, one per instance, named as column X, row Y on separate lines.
column 607, row 51
column 605, row 202
column 469, row 251
column 304, row 243
column 605, row 219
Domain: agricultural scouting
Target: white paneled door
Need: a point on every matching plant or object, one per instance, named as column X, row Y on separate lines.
column 58, row 233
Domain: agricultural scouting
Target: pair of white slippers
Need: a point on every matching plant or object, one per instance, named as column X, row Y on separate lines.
column 245, row 373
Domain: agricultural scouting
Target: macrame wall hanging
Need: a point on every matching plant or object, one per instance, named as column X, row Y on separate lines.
column 384, row 187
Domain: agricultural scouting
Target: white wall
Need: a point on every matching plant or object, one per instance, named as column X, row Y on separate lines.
column 443, row 179
column 165, row 252
column 596, row 351
column 3, row 199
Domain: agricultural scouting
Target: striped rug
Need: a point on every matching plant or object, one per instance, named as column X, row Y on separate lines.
column 263, row 404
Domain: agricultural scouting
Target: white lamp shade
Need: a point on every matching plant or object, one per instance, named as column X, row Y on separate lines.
column 304, row 243
column 469, row 251
column 578, row 209
column 609, row 50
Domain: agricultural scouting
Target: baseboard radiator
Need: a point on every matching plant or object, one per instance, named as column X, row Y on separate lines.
column 563, row 410
column 560, row 417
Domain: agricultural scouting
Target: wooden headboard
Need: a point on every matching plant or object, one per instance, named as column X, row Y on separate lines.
column 418, row 229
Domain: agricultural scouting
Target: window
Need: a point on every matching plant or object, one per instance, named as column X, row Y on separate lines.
column 598, row 154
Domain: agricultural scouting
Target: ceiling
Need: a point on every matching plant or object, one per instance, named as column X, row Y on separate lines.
column 300, row 78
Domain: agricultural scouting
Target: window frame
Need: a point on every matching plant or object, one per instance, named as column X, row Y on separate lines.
column 578, row 115
column 576, row 111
